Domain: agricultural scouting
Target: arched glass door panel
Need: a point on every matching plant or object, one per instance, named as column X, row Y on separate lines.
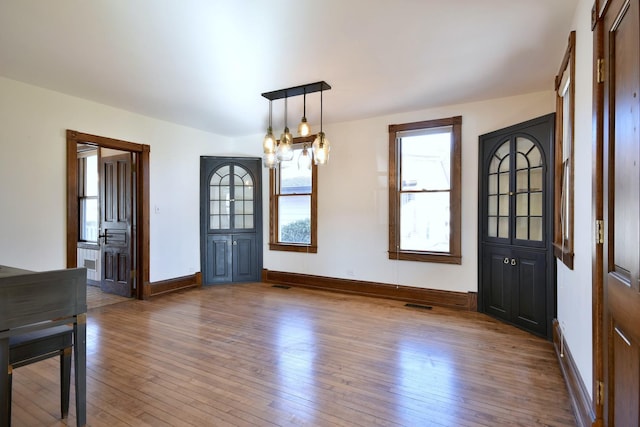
column 498, row 195
column 231, row 199
column 529, row 194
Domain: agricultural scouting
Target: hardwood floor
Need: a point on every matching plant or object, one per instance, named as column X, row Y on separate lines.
column 255, row 355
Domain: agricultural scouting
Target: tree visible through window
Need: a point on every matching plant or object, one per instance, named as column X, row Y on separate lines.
column 293, row 205
column 424, row 191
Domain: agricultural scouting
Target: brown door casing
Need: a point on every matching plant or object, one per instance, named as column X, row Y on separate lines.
column 140, row 200
column 620, row 76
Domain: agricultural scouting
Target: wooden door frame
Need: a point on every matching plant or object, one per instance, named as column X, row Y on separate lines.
column 141, row 201
column 597, row 213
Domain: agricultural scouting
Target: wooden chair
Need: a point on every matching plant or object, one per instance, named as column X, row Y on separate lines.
column 39, row 345
column 36, row 311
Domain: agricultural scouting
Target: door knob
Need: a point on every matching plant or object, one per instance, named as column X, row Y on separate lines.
column 506, row 260
column 513, row 261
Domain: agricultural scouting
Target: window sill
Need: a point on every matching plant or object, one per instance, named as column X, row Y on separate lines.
column 293, row 248
column 88, row 245
column 564, row 254
column 442, row 258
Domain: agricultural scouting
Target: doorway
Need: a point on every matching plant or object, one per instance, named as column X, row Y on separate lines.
column 230, row 219
column 125, row 271
column 516, row 267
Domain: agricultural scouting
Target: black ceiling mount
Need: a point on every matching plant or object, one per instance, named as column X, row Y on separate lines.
column 296, row 90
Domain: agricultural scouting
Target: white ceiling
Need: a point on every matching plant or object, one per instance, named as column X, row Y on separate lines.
column 204, row 63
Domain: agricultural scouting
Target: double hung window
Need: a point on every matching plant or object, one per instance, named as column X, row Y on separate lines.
column 424, row 191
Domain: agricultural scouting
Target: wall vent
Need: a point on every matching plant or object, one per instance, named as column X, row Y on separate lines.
column 90, row 264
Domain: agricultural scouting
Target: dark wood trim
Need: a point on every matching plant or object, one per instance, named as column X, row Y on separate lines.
column 597, row 209
column 459, row 300
column 578, row 394
column 563, row 247
column 142, row 169
column 454, row 256
column 274, row 245
column 172, row 285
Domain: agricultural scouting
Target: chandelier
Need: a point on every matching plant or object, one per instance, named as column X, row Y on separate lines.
column 281, row 150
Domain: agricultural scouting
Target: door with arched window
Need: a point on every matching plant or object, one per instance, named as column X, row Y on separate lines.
column 230, row 219
column 516, row 264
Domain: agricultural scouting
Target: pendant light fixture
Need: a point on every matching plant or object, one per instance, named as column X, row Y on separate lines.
column 282, row 150
column 303, row 128
column 269, row 142
column 304, row 159
column 321, row 144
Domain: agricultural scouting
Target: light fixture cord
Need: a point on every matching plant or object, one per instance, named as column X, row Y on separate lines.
column 304, row 108
column 270, row 113
column 285, row 111
column 320, row 110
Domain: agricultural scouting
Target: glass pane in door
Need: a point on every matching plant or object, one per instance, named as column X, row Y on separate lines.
column 529, row 190
column 498, row 204
column 219, row 199
column 242, row 198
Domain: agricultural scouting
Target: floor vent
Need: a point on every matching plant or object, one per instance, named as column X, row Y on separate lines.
column 423, row 307
column 281, row 286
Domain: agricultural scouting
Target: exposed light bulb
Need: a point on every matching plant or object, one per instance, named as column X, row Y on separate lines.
column 284, row 152
column 269, row 142
column 270, row 161
column 321, row 148
column 303, row 128
column 304, row 159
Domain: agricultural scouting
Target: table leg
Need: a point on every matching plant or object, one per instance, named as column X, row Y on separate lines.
column 5, row 403
column 80, row 359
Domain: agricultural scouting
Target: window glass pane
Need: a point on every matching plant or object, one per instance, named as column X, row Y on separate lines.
column 424, row 221
column 214, row 222
column 91, row 177
column 522, row 228
column 493, row 184
column 294, row 180
column 536, row 179
column 294, row 217
column 493, row 205
column 503, row 184
column 522, row 204
column 504, row 205
column 492, row 226
column 89, row 219
column 536, row 204
column 536, row 229
column 426, row 161
column 503, row 227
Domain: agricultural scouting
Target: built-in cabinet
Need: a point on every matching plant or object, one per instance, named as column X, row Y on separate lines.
column 230, row 219
column 516, row 264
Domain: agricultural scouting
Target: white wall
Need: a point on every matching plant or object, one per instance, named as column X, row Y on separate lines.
column 574, row 286
column 33, row 122
column 353, row 190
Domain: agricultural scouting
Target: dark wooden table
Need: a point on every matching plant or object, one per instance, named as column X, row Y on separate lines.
column 31, row 301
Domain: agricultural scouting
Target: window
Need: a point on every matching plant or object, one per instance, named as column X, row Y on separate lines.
column 424, row 191
column 293, row 201
column 88, row 195
column 563, row 211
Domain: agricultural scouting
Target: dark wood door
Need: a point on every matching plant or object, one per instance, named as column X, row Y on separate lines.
column 516, row 266
column 115, row 224
column 621, row 185
column 231, row 219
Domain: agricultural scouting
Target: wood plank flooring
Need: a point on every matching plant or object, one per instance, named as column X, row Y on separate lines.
column 255, row 355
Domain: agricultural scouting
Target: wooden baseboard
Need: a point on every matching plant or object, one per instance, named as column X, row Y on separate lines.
column 459, row 300
column 172, row 285
column 580, row 400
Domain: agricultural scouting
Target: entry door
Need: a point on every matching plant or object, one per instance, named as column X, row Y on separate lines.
column 231, row 219
column 516, row 267
column 622, row 212
column 115, row 224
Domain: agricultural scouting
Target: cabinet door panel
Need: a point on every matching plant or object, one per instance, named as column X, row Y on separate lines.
column 529, row 297
column 497, row 279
